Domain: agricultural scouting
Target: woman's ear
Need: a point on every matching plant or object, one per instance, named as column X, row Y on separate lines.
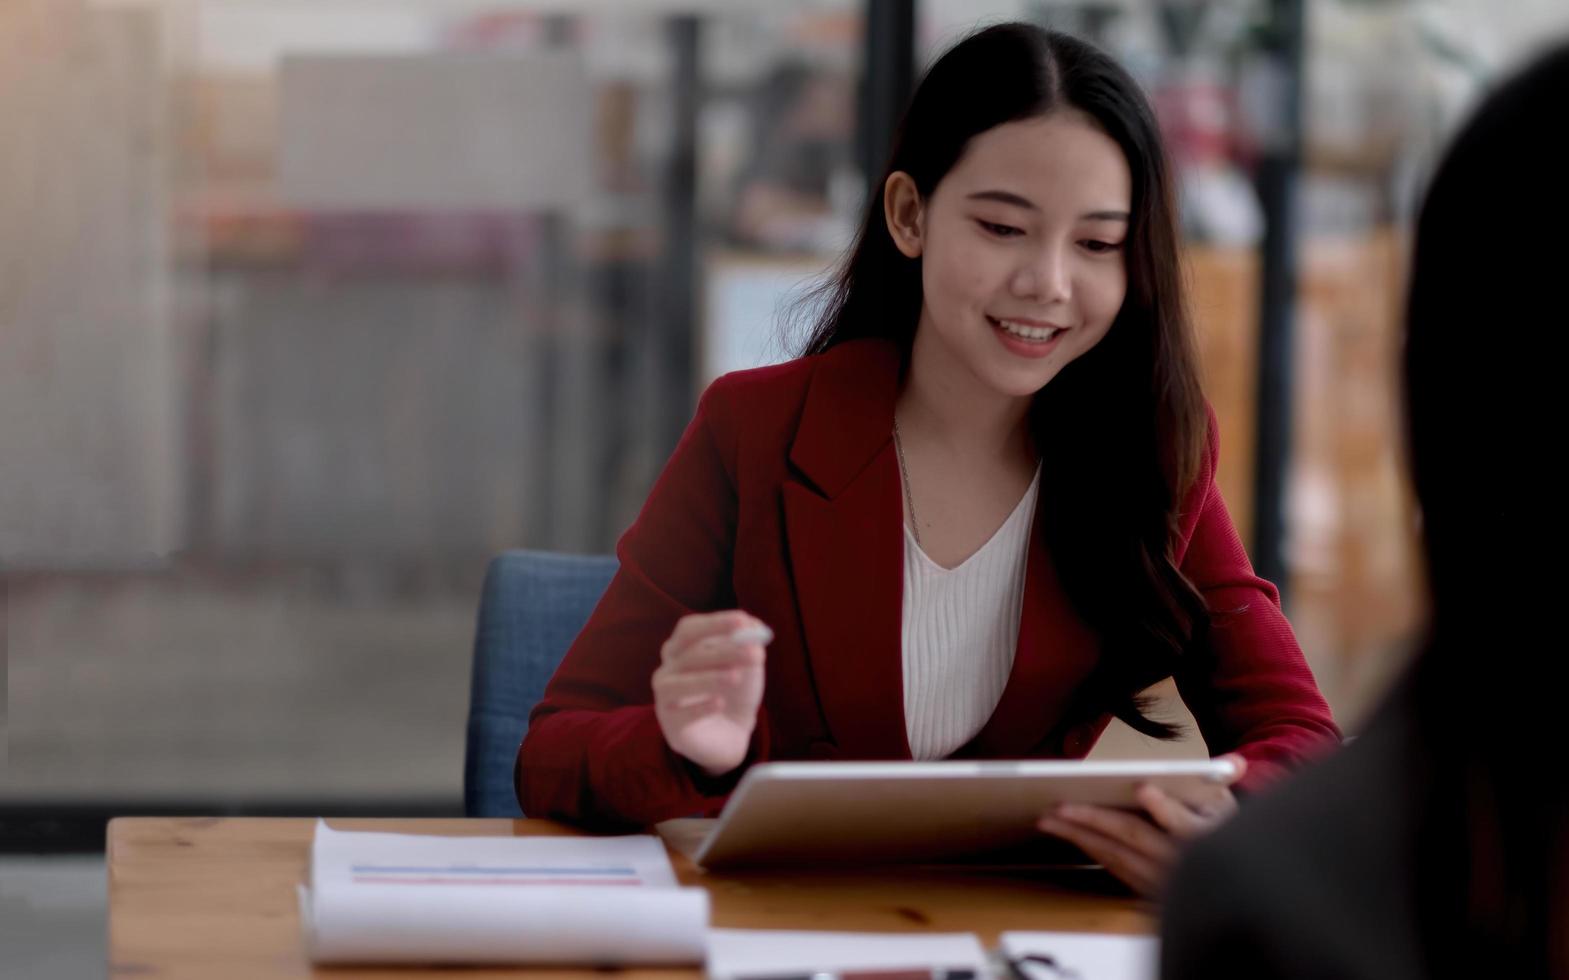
column 905, row 213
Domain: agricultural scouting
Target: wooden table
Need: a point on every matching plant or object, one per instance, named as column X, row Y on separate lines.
column 215, row 898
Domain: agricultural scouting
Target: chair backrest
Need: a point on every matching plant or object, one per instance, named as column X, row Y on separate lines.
column 534, row 604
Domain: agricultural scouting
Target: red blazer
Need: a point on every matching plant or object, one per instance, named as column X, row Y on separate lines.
column 783, row 499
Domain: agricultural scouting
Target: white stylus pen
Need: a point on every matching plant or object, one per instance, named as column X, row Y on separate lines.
column 758, row 634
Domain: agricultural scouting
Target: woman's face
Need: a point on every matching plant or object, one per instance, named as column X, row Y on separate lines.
column 1021, row 247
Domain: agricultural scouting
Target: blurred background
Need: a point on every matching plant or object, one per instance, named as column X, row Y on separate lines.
column 308, row 308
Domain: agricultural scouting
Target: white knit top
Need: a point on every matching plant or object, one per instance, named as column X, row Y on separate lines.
column 960, row 630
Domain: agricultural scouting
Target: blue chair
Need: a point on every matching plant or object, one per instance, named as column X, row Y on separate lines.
column 534, row 604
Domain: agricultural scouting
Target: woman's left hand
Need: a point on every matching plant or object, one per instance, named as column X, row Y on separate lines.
column 1140, row 848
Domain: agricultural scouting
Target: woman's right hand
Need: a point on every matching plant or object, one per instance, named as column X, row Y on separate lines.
column 709, row 685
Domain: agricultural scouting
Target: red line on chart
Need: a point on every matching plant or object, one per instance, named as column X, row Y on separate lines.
column 377, row 880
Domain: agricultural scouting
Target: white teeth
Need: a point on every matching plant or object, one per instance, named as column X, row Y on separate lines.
column 1026, row 332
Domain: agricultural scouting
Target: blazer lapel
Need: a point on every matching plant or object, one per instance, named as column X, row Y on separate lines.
column 843, row 521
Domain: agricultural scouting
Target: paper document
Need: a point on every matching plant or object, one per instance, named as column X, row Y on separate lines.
column 1082, row 955
column 743, row 954
column 407, row 898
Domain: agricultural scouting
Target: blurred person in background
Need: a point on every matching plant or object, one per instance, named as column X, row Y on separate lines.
column 1438, row 844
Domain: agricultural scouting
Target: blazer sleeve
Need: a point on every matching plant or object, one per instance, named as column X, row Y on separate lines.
column 1251, row 691
column 594, row 753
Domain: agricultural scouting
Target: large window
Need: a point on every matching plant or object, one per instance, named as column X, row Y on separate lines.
column 311, row 308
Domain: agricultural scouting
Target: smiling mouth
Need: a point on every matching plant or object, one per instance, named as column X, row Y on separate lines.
column 1026, row 332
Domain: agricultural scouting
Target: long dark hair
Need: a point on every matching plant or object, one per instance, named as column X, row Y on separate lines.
column 1116, row 475
column 1484, row 363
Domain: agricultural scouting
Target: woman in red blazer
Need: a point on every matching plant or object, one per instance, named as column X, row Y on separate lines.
column 1011, row 307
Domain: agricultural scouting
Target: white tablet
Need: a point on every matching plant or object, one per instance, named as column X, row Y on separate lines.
column 837, row 813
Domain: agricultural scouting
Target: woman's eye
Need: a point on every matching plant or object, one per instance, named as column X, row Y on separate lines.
column 1097, row 246
column 1001, row 231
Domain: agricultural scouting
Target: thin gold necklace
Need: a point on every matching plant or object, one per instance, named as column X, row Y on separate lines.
column 904, row 473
